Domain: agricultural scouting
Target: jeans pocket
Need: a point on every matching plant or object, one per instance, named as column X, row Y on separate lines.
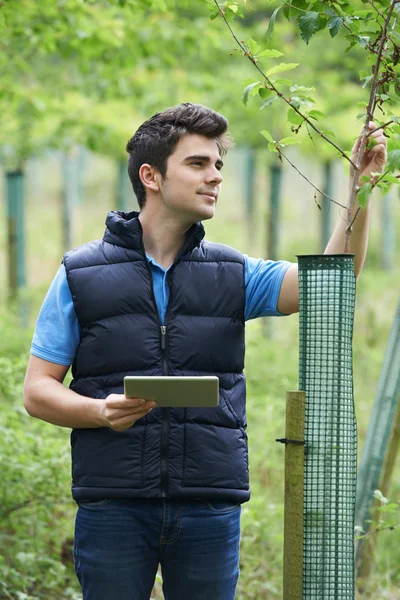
column 221, row 507
column 94, row 503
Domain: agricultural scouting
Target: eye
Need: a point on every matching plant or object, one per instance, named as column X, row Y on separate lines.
column 197, row 162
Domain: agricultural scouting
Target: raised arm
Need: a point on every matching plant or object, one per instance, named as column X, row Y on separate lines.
column 373, row 162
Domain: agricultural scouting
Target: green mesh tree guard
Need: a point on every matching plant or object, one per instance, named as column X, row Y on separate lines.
column 327, row 299
column 379, row 428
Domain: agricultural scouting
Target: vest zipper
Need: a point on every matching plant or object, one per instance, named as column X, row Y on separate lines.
column 165, row 419
column 164, row 356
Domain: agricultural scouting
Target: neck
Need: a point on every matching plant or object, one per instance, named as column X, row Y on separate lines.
column 163, row 235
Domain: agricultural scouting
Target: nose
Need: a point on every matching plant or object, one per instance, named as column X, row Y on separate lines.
column 214, row 176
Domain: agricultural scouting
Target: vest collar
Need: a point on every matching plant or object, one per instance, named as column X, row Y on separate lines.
column 124, row 229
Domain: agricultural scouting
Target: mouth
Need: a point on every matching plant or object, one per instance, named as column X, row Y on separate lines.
column 212, row 196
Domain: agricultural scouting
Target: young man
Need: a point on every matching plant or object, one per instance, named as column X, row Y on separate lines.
column 161, row 486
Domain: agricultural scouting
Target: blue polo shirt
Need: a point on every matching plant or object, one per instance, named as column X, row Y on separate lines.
column 57, row 335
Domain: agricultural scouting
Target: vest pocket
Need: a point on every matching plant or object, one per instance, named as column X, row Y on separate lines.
column 215, row 457
column 108, row 459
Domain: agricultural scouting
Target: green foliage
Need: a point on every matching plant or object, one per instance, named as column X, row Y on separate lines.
column 34, row 497
column 387, row 517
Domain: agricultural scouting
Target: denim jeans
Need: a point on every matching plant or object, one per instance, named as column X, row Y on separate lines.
column 120, row 543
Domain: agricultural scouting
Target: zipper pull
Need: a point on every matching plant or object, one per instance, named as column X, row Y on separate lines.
column 163, row 337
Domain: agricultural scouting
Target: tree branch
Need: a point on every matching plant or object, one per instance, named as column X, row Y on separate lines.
column 350, row 227
column 304, row 177
column 376, row 9
column 370, row 113
column 278, row 93
column 378, row 529
column 380, row 127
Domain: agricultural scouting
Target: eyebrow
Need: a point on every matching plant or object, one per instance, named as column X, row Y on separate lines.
column 204, row 158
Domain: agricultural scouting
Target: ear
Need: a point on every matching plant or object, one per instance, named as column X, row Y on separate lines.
column 149, row 176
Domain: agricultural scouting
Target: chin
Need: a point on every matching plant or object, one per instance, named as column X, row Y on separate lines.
column 208, row 217
column 208, row 213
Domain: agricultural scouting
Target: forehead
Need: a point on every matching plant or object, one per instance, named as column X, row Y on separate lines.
column 194, row 144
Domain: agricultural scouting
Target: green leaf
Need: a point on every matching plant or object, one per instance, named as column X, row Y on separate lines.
column 371, row 143
column 301, row 88
column 293, row 117
column 289, row 141
column 282, row 81
column 366, row 81
column 271, row 24
column 264, row 93
column 316, row 114
column 393, row 160
column 247, row 90
column 335, row 25
column 270, row 53
column 364, row 194
column 280, row 68
column 364, row 14
column 267, row 135
column 298, row 101
column 233, row 6
column 253, row 46
column 363, row 40
column 391, row 179
column 268, row 102
column 308, row 25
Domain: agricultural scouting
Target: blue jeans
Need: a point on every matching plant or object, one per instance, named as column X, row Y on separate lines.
column 120, row 543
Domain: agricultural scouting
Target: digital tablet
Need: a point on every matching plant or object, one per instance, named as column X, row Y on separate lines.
column 185, row 392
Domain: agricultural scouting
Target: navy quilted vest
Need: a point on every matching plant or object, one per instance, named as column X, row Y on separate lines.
column 186, row 453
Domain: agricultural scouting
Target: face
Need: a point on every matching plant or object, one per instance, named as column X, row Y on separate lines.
column 193, row 179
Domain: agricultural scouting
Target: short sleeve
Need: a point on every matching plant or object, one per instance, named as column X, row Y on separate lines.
column 263, row 280
column 57, row 335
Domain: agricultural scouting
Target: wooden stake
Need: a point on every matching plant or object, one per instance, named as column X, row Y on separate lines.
column 294, row 497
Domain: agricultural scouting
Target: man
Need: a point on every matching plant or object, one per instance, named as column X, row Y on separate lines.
column 161, row 486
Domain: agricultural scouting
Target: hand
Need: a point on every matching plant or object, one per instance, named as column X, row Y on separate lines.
column 119, row 413
column 374, row 159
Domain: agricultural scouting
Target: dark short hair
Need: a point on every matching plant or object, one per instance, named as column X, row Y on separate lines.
column 156, row 139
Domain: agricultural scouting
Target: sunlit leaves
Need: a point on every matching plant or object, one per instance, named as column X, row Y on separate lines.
column 270, row 53
column 267, row 136
column 281, row 68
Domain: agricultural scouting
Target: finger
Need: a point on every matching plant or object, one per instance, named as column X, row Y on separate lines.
column 113, row 414
column 129, row 419
column 378, row 133
column 371, row 127
column 123, row 402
